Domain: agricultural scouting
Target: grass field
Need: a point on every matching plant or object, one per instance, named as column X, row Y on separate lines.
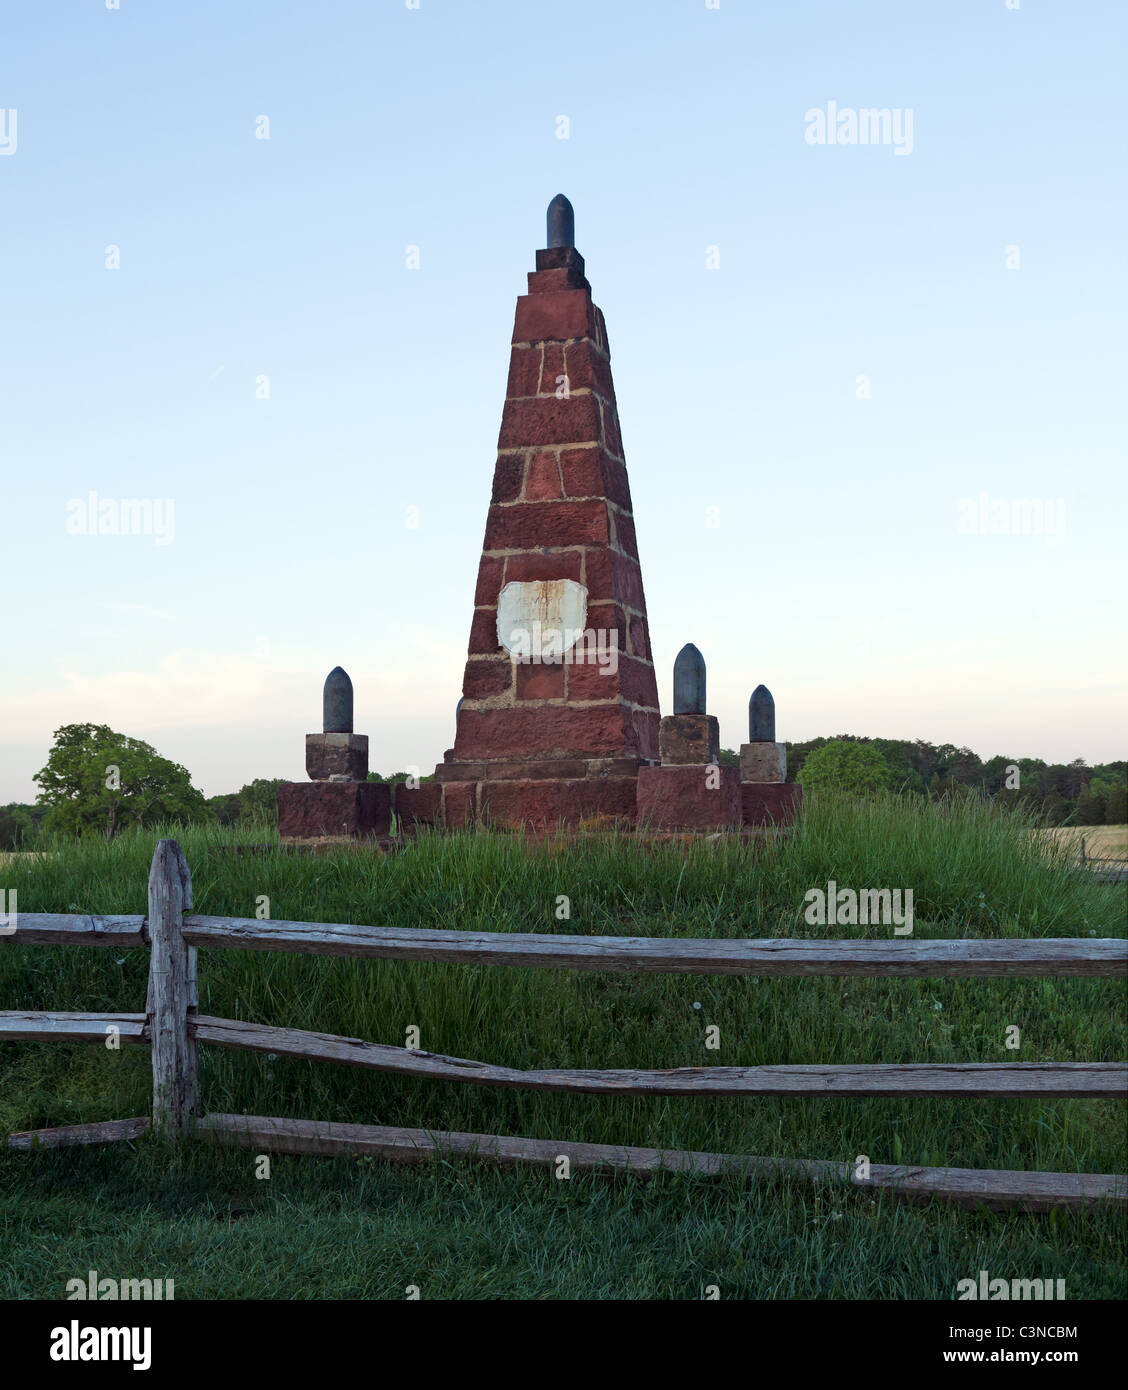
column 1101, row 841
column 358, row 1228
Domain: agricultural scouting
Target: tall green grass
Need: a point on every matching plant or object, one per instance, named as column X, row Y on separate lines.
column 973, row 872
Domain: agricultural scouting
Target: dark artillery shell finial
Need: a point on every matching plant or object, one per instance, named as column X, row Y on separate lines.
column 561, row 222
column 761, row 716
column 337, row 703
column 689, row 681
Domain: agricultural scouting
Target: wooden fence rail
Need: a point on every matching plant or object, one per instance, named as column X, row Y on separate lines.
column 996, row 1189
column 19, row 1026
column 904, row 958
column 66, row 929
column 173, row 1028
column 874, row 1079
column 928, row 1079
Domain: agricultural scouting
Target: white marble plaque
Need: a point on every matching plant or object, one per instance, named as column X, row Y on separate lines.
column 541, row 619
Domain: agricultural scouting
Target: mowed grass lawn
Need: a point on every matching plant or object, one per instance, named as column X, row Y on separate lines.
column 320, row 1228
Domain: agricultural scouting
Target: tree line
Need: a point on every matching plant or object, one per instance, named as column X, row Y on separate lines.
column 1075, row 793
column 99, row 782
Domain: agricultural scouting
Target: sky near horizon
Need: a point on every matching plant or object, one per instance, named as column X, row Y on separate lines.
column 872, row 395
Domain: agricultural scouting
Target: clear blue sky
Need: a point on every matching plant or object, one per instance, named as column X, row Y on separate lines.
column 838, row 573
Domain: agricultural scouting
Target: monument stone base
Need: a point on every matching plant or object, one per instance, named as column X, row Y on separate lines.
column 537, row 793
column 310, row 809
column 770, row 803
column 689, row 796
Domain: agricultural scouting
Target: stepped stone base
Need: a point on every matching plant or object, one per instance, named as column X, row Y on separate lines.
column 309, row 810
column 513, row 797
column 536, row 769
column 542, row 805
column 770, row 803
column 699, row 796
column 531, row 793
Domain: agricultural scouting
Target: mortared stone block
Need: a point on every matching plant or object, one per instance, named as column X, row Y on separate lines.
column 689, row 738
column 516, row 805
column 701, row 797
column 311, row 810
column 763, row 762
column 459, row 805
column 340, row 756
column 415, row 806
column 770, row 803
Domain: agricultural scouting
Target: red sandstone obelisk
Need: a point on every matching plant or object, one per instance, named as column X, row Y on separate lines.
column 540, row 741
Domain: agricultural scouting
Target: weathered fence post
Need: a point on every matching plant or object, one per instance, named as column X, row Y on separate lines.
column 172, row 991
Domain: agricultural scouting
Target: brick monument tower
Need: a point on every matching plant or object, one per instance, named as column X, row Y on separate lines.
column 560, row 701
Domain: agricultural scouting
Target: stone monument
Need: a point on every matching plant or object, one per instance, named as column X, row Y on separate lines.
column 560, row 702
column 767, row 797
column 337, row 801
column 690, row 790
column 558, row 720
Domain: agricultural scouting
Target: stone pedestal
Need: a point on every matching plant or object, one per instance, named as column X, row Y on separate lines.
column 340, row 756
column 309, row 810
column 763, row 762
column 688, row 739
column 688, row 797
column 770, row 803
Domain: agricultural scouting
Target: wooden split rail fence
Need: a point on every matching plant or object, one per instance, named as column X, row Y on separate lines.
column 173, row 1028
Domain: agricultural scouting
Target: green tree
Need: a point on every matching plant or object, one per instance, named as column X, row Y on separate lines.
column 845, row 766
column 966, row 767
column 19, row 824
column 97, row 781
column 1013, row 799
column 258, row 800
column 1090, row 808
column 1116, row 807
column 1055, row 809
column 1030, row 771
column 903, row 775
column 940, row 787
column 225, row 808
